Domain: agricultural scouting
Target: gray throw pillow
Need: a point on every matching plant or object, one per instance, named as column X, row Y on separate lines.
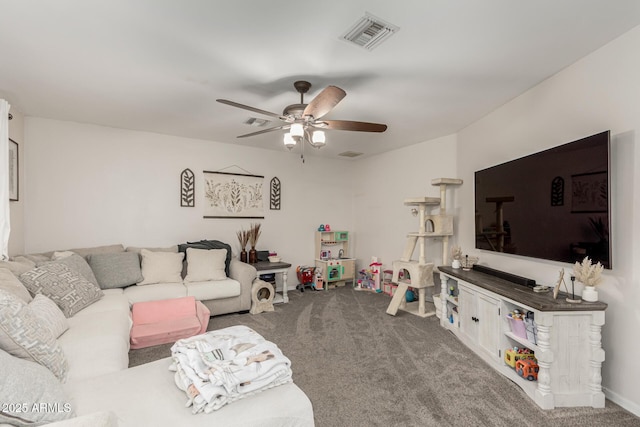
column 25, row 387
column 67, row 288
column 77, row 263
column 116, row 270
column 22, row 335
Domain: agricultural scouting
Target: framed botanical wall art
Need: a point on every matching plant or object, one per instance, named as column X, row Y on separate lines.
column 233, row 195
column 14, row 188
column 589, row 192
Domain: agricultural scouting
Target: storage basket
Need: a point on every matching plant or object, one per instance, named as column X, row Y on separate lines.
column 518, row 327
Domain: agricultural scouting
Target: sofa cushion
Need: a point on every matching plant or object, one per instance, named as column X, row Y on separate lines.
column 10, row 283
column 49, row 315
column 209, row 244
column 217, row 289
column 161, row 267
column 155, row 292
column 22, row 336
column 94, row 419
column 18, row 265
column 116, row 270
column 26, row 385
column 67, row 288
column 138, row 249
column 205, row 264
column 107, row 249
column 74, row 262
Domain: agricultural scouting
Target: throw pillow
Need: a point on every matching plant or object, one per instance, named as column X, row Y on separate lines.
column 138, row 249
column 61, row 254
column 161, row 267
column 10, row 283
column 205, row 264
column 22, row 335
column 209, row 244
column 67, row 288
column 27, row 385
column 49, row 315
column 77, row 263
column 18, row 265
column 116, row 270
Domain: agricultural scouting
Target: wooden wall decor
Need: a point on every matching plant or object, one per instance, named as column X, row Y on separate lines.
column 557, row 191
column 275, row 194
column 187, row 189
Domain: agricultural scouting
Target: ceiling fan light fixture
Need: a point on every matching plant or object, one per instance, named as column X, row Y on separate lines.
column 318, row 139
column 297, row 129
column 289, row 141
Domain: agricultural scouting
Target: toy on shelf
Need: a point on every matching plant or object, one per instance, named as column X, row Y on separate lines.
column 512, row 355
column 527, row 368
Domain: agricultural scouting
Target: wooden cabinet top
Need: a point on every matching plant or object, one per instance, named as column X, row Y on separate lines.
column 538, row 301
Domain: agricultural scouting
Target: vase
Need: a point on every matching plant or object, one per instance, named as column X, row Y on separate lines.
column 253, row 255
column 243, row 255
column 455, row 263
column 590, row 294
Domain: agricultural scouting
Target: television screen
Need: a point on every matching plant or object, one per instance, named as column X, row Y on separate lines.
column 552, row 205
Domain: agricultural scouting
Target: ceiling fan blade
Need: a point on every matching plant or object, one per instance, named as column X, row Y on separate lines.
column 351, row 125
column 246, row 107
column 324, row 102
column 264, row 131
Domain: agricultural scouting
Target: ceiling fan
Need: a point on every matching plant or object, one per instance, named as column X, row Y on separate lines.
column 304, row 120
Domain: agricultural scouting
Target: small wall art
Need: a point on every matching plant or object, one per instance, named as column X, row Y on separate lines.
column 187, row 189
column 275, row 194
column 557, row 191
column 589, row 192
column 233, row 195
column 14, row 188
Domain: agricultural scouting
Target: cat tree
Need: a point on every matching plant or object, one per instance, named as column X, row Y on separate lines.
column 418, row 274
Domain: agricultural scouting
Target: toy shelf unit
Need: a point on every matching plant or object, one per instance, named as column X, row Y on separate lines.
column 332, row 260
column 564, row 338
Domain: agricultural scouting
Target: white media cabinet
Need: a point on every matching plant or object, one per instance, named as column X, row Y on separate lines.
column 568, row 350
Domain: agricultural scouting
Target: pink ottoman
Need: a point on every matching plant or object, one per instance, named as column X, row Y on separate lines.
column 165, row 321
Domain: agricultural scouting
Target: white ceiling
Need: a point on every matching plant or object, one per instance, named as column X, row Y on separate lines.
column 160, row 65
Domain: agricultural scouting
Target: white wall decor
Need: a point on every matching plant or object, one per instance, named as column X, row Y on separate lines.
column 231, row 195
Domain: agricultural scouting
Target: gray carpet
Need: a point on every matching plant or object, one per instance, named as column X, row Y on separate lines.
column 362, row 367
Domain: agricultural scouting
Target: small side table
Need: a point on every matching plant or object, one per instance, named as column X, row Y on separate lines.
column 267, row 267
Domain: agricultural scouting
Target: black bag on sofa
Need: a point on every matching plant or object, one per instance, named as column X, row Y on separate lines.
column 207, row 244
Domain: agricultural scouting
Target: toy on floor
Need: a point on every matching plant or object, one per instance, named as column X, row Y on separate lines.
column 306, row 277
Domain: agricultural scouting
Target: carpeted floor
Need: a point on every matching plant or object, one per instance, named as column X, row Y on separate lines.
column 362, row 367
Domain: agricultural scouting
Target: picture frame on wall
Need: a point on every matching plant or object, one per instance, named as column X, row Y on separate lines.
column 14, row 187
column 589, row 192
column 233, row 195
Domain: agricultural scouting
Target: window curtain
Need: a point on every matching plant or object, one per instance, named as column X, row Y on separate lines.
column 5, row 227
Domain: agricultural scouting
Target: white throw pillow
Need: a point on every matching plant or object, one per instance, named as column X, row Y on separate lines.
column 49, row 315
column 205, row 264
column 161, row 267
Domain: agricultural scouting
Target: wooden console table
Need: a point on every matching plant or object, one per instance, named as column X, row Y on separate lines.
column 267, row 267
column 568, row 346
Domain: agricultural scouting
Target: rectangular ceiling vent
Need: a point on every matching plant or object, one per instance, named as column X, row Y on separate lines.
column 350, row 154
column 369, row 31
column 254, row 121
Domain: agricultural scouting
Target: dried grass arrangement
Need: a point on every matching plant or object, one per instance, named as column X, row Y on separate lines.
column 588, row 273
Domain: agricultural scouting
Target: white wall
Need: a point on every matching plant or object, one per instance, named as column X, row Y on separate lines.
column 380, row 186
column 16, row 236
column 600, row 92
column 90, row 185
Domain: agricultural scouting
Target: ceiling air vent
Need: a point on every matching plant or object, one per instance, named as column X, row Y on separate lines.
column 254, row 121
column 350, row 154
column 369, row 31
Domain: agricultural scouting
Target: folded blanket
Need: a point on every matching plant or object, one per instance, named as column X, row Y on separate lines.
column 219, row 367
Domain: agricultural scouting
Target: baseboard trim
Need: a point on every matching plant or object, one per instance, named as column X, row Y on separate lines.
column 632, row 407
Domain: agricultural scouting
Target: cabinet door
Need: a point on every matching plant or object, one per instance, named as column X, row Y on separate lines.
column 349, row 268
column 467, row 311
column 488, row 324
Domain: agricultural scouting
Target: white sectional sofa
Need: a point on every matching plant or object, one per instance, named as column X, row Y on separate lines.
column 99, row 389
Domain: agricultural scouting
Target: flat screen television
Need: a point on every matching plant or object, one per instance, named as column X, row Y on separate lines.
column 552, row 205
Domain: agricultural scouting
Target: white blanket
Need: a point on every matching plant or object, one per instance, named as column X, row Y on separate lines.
column 219, row 367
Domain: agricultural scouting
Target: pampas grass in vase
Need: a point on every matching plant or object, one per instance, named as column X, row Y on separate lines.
column 243, row 239
column 254, row 235
column 456, row 255
column 588, row 274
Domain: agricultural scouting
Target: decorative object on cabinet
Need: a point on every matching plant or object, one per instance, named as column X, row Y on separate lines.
column 233, row 195
column 456, row 255
column 254, row 235
column 560, row 281
column 243, row 239
column 187, row 189
column 430, row 226
column 590, row 275
column 14, row 176
column 275, row 192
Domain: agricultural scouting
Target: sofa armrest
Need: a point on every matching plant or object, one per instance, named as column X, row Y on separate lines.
column 245, row 274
